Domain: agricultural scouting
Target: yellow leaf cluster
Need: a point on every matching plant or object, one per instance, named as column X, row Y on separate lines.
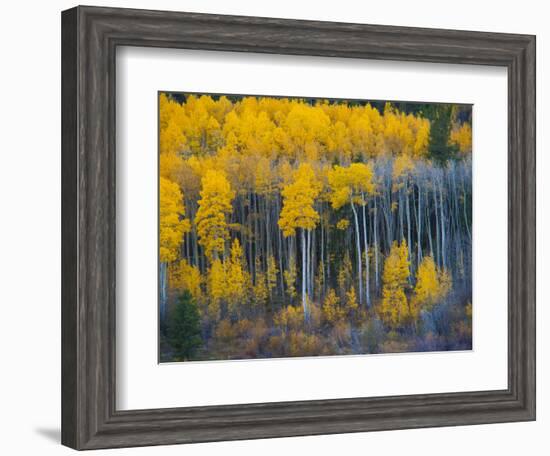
column 342, row 224
column 394, row 309
column 289, row 318
column 462, row 137
column 302, row 344
column 432, row 286
column 402, row 166
column 172, row 225
column 237, row 279
column 332, row 312
column 351, row 301
column 345, row 275
column 298, row 201
column 272, row 272
column 289, row 276
column 350, row 184
column 216, row 287
column 184, row 276
column 214, row 205
column 258, row 141
column 260, row 292
column 228, row 282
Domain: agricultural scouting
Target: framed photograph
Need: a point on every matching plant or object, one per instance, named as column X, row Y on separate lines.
column 279, row 228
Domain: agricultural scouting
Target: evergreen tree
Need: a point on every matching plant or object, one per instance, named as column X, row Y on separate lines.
column 440, row 149
column 184, row 329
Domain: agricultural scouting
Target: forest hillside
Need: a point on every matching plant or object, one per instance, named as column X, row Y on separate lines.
column 297, row 227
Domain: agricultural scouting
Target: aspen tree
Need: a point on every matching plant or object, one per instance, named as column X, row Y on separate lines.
column 349, row 186
column 214, row 205
column 299, row 212
column 172, row 226
column 394, row 309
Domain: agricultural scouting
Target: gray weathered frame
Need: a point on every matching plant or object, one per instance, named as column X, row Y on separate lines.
column 90, row 36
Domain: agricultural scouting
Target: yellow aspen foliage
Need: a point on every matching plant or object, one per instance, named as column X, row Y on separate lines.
column 290, row 275
column 422, row 141
column 403, row 166
column 236, row 277
column 350, row 184
column 214, row 205
column 361, row 130
column 216, row 287
column 445, row 283
column 394, row 309
column 469, row 310
column 339, row 142
column 172, row 225
column 272, row 272
column 404, row 134
column 298, row 200
column 320, row 277
column 432, row 286
column 290, row 318
column 170, row 165
column 183, row 276
column 332, row 312
column 172, row 139
column 166, row 110
column 462, row 137
column 302, row 344
column 263, row 176
column 351, row 301
column 346, row 178
column 291, row 128
column 345, row 275
column 202, row 130
column 172, row 118
column 342, row 224
column 260, row 291
column 307, row 128
column 426, row 291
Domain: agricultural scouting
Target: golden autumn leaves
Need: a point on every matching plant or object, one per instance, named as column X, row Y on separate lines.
column 279, row 215
column 172, row 224
column 432, row 286
column 215, row 201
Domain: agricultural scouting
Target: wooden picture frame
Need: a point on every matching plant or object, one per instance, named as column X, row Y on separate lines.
column 90, row 36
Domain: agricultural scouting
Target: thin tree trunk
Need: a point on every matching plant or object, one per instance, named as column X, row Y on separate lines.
column 365, row 240
column 359, row 260
column 163, row 267
column 419, row 228
column 280, row 254
column 304, row 266
column 429, row 225
column 322, row 292
column 376, row 274
column 309, row 263
column 437, row 232
column 465, row 210
column 443, row 262
column 408, row 215
column 401, row 231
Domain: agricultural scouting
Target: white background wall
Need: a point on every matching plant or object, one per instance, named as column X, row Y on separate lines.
column 30, row 228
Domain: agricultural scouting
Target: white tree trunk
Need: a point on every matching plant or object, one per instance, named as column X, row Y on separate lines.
column 419, row 229
column 359, row 260
column 304, row 274
column 163, row 292
column 365, row 238
column 376, row 275
column 443, row 253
